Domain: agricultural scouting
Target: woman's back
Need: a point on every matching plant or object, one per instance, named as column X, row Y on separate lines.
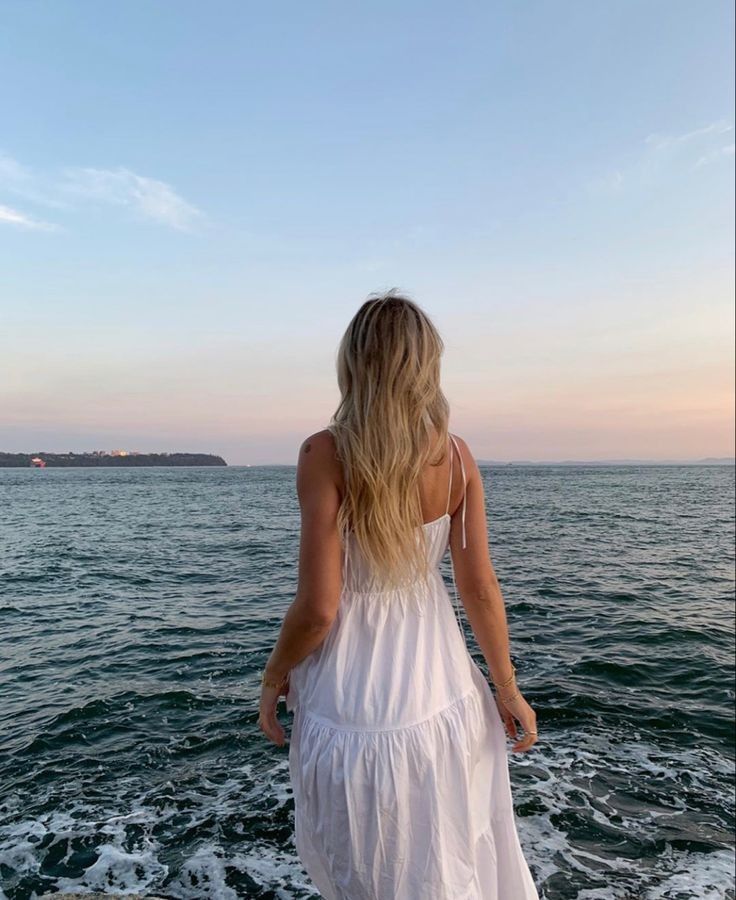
column 392, row 658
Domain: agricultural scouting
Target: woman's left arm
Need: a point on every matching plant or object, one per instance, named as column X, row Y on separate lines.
column 313, row 610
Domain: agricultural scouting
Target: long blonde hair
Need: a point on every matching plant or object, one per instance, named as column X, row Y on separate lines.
column 391, row 420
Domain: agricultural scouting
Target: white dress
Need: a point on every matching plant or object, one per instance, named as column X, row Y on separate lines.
column 397, row 754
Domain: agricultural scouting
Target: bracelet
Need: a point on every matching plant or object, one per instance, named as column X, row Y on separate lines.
column 270, row 682
column 512, row 697
column 508, row 680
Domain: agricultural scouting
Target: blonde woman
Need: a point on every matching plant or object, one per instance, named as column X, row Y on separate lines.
column 397, row 753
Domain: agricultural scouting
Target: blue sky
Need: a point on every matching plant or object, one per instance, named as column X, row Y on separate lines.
column 194, row 199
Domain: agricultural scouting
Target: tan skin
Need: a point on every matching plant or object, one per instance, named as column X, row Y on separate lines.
column 319, row 484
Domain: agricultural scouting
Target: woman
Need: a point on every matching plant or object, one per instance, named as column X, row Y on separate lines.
column 397, row 753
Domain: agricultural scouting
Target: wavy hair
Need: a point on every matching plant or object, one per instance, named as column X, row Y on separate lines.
column 391, row 420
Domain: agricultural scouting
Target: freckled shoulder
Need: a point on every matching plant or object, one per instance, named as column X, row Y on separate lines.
column 321, row 443
column 319, row 448
column 318, row 460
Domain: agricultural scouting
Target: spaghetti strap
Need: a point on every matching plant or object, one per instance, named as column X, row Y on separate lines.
column 449, row 483
column 345, row 557
column 456, row 602
column 465, row 489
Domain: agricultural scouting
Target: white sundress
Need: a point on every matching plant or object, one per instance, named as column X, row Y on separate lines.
column 397, row 754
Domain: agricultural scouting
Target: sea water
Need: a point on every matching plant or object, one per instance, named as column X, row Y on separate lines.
column 138, row 607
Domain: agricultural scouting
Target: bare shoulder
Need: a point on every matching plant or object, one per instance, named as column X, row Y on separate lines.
column 318, row 459
column 318, row 474
column 318, row 447
column 471, row 466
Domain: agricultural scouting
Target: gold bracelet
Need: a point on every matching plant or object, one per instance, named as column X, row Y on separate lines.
column 508, row 680
column 269, row 682
column 509, row 699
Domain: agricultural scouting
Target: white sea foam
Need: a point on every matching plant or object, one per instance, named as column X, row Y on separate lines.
column 705, row 876
column 579, row 772
column 119, row 870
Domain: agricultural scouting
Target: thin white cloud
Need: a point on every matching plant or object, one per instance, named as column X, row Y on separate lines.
column 11, row 171
column 21, row 181
column 668, row 153
column 715, row 155
column 71, row 188
column 155, row 199
column 9, row 216
column 661, row 142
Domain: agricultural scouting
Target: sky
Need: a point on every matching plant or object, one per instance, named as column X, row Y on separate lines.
column 196, row 198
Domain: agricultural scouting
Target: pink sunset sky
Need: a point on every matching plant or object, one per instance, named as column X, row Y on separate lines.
column 180, row 263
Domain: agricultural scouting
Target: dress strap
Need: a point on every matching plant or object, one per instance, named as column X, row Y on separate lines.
column 456, row 602
column 345, row 554
column 449, row 484
column 465, row 488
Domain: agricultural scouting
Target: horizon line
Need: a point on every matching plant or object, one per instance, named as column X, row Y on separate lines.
column 719, row 460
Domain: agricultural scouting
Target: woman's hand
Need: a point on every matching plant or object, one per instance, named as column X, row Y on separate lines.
column 267, row 720
column 519, row 709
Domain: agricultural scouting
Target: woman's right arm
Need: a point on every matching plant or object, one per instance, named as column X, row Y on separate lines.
column 483, row 602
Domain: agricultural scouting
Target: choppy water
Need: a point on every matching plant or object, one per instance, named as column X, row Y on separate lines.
column 139, row 605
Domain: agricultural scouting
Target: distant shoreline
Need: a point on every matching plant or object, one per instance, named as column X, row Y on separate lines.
column 42, row 460
column 142, row 460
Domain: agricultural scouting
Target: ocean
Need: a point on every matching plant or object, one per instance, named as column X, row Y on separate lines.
column 139, row 605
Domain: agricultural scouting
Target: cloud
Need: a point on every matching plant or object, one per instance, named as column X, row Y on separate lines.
column 664, row 154
column 72, row 188
column 715, row 155
column 154, row 199
column 10, row 216
column 662, row 142
column 21, row 181
column 11, row 171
